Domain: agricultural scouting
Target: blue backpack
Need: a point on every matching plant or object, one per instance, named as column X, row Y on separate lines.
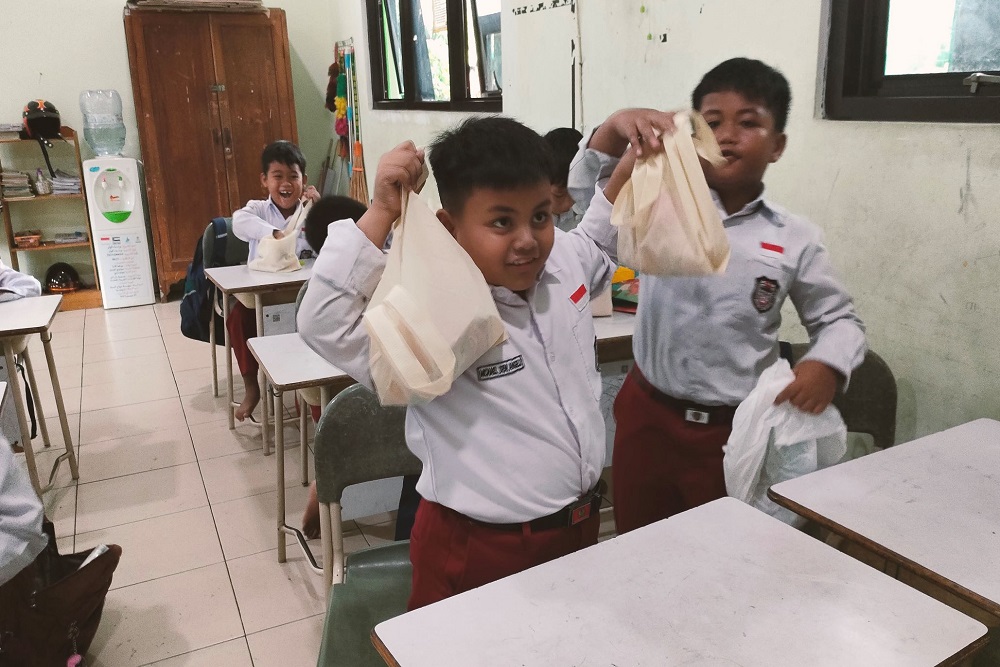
column 197, row 312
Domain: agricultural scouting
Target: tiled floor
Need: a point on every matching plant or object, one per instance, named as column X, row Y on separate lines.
column 190, row 502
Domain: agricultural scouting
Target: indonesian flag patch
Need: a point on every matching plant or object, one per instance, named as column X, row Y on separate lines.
column 772, row 249
column 579, row 297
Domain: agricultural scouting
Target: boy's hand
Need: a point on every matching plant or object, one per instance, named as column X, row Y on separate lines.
column 399, row 168
column 639, row 127
column 620, row 176
column 312, row 194
column 813, row 388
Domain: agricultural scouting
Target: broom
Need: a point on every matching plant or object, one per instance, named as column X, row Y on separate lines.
column 359, row 182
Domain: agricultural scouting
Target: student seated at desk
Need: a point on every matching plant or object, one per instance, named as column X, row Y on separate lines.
column 702, row 343
column 283, row 176
column 511, row 461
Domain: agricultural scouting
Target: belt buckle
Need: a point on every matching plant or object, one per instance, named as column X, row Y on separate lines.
column 696, row 416
column 580, row 511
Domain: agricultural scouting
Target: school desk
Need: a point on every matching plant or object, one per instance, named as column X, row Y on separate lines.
column 232, row 280
column 930, row 506
column 722, row 584
column 289, row 364
column 24, row 317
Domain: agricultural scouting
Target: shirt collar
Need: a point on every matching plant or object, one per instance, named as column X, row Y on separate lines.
column 753, row 207
column 507, row 297
column 275, row 209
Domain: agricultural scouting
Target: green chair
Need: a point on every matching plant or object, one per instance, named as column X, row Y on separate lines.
column 237, row 252
column 869, row 404
column 358, row 440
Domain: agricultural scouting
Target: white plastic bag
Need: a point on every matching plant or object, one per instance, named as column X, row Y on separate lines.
column 432, row 314
column 771, row 443
column 278, row 255
column 668, row 223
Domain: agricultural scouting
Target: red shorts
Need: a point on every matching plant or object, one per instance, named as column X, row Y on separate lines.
column 664, row 464
column 452, row 554
column 242, row 326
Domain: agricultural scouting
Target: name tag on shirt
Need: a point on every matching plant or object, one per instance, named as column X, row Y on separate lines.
column 579, row 298
column 500, row 369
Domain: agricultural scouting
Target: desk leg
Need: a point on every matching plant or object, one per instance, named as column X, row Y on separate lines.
column 211, row 342
column 279, row 453
column 229, row 361
column 304, row 420
column 60, row 407
column 258, row 303
column 22, row 420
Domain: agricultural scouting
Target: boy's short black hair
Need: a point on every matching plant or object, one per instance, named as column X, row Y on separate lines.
column 327, row 210
column 753, row 80
column 487, row 152
column 283, row 152
column 564, row 143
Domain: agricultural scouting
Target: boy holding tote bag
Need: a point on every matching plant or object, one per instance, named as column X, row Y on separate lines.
column 512, row 452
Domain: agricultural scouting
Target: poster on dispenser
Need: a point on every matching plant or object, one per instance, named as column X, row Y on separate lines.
column 124, row 260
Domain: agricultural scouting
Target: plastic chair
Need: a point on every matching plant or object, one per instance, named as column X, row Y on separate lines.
column 237, row 252
column 358, row 440
column 869, row 404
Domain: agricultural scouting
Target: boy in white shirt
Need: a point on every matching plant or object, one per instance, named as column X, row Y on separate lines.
column 283, row 175
column 513, row 452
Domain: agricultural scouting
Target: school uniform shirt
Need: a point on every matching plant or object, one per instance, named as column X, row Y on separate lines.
column 520, row 434
column 17, row 285
column 21, row 536
column 258, row 220
column 708, row 339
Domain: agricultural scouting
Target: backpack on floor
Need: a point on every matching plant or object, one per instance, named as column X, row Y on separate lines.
column 197, row 312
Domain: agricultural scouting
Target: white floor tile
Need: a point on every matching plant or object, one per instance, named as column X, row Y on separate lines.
column 60, row 508
column 241, row 475
column 137, row 453
column 141, row 389
column 68, row 320
column 166, row 617
column 203, row 359
column 198, row 381
column 292, row 644
column 123, row 349
column 249, row 525
column 167, row 310
column 55, row 430
column 159, row 547
column 120, row 318
column 214, row 439
column 46, row 396
column 124, row 370
column 233, row 653
column 130, row 420
column 271, row 593
column 66, row 358
column 379, row 534
column 61, row 339
column 145, row 495
column 202, row 408
column 179, row 345
column 45, row 458
column 106, row 333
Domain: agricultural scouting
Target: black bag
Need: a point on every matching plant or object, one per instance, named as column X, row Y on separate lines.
column 51, row 610
column 197, row 310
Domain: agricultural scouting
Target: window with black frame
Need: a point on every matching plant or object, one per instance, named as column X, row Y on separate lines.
column 435, row 54
column 914, row 60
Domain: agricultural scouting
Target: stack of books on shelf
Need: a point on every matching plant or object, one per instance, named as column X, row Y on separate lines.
column 15, row 184
column 65, row 183
column 10, row 130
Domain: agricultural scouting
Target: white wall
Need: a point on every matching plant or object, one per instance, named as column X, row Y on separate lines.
column 57, row 48
column 909, row 210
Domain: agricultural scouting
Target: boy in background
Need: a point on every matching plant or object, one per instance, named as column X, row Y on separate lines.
column 511, row 460
column 564, row 143
column 283, row 176
column 700, row 344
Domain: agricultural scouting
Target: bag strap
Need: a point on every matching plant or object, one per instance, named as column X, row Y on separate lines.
column 424, row 362
column 30, row 402
column 221, row 231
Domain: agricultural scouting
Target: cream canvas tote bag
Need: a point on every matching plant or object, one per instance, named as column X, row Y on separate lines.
column 432, row 315
column 668, row 223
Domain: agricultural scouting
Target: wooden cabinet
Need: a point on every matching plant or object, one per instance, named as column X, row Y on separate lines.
column 211, row 90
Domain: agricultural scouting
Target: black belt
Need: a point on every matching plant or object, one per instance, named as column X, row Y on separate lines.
column 576, row 512
column 691, row 411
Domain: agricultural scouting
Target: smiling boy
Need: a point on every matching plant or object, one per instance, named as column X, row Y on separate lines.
column 701, row 343
column 513, row 452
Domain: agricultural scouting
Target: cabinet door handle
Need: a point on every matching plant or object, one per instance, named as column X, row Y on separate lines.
column 227, row 138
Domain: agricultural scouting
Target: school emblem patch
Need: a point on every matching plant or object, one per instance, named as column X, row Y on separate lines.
column 765, row 293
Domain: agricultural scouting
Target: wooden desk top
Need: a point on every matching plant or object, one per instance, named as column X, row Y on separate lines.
column 723, row 584
column 931, row 505
column 33, row 314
